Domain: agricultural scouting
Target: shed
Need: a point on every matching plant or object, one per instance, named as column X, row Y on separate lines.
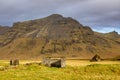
column 54, row 62
column 96, row 58
column 14, row 62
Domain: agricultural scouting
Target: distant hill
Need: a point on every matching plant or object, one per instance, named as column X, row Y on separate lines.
column 56, row 35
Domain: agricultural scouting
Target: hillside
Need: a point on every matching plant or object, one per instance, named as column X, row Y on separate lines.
column 55, row 35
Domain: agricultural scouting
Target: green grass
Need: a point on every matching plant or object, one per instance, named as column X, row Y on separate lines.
column 39, row 72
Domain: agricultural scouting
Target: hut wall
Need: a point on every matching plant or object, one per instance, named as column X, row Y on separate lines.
column 54, row 62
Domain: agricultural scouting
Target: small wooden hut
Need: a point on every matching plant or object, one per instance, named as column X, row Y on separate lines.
column 54, row 62
column 96, row 58
column 14, row 62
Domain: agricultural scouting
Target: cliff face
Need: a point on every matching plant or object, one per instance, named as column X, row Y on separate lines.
column 54, row 35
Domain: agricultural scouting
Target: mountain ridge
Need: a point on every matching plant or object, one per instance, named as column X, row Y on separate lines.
column 56, row 35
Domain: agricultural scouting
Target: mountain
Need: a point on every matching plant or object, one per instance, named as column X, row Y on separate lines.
column 56, row 35
column 112, row 35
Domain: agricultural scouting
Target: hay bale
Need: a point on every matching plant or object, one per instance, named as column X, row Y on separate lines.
column 2, row 68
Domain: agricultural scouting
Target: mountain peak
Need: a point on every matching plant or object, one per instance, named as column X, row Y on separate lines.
column 112, row 35
column 113, row 32
column 55, row 16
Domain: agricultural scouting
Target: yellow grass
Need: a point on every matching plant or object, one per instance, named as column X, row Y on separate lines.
column 75, row 70
column 87, row 62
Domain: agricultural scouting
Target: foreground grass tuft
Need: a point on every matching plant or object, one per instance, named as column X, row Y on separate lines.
column 39, row 72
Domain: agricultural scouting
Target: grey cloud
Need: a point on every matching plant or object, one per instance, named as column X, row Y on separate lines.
column 95, row 13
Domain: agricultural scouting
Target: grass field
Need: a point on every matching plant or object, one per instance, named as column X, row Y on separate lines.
column 75, row 70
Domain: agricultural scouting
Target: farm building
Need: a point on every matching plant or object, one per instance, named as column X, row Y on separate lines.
column 54, row 62
column 14, row 62
column 96, row 58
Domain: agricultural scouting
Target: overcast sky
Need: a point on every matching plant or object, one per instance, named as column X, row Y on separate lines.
column 100, row 15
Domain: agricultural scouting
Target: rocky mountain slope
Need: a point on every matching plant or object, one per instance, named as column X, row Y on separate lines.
column 56, row 35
